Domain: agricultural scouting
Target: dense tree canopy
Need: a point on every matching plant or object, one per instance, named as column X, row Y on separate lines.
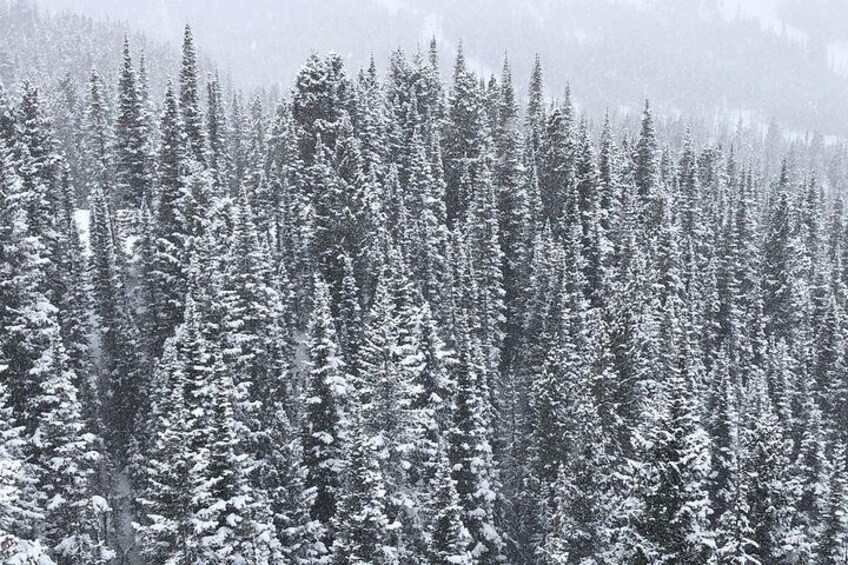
column 396, row 321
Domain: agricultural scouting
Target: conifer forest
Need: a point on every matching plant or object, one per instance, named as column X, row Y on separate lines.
column 397, row 315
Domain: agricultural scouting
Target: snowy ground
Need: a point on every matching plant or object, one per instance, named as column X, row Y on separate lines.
column 83, row 218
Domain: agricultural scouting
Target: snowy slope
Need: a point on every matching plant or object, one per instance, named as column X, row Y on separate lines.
column 83, row 219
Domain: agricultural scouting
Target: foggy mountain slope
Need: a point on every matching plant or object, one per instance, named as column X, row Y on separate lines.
column 45, row 47
column 699, row 57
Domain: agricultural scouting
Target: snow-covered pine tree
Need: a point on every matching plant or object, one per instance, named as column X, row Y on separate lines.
column 253, row 340
column 350, row 321
column 534, row 119
column 28, row 318
column 323, row 95
column 69, row 292
column 780, row 262
column 65, row 457
column 232, row 519
column 365, row 531
column 236, row 139
column 371, row 119
column 165, row 488
column 584, row 497
column 97, row 140
column 166, row 272
column 216, row 128
column 283, row 483
column 556, row 162
column 388, row 389
column 449, row 539
column 132, row 159
column 735, row 543
column 189, row 100
column 833, row 547
column 15, row 512
column 425, row 194
column 463, row 139
column 117, row 360
column 325, row 400
column 810, row 470
column 770, row 495
column 673, row 451
column 470, row 434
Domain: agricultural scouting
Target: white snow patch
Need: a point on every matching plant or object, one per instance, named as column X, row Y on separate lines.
column 100, row 504
column 83, row 220
column 129, row 244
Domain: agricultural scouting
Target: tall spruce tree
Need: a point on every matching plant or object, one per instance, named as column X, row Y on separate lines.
column 189, row 100
column 323, row 428
column 117, row 360
column 166, row 272
column 132, row 160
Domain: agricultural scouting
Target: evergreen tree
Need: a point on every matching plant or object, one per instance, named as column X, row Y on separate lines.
column 470, row 435
column 463, row 139
column 363, row 524
column 646, row 171
column 483, row 239
column 834, row 546
column 779, row 262
column 8, row 124
column 166, row 497
column 677, row 506
column 449, row 537
column 69, row 292
column 216, row 127
column 117, row 361
column 584, row 491
column 513, row 210
column 232, row 521
column 810, row 469
column 13, row 480
column 189, row 101
column 97, row 140
column 36, row 156
column 65, row 458
column 535, row 116
column 28, row 318
column 323, row 433
column 770, row 497
column 253, row 339
column 132, row 161
column 734, row 532
column 323, row 96
column 166, row 272
column 556, row 161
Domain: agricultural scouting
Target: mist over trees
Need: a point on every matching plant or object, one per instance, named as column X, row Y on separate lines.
column 760, row 59
column 395, row 317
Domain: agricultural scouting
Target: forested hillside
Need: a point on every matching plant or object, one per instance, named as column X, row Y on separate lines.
column 760, row 59
column 59, row 53
column 49, row 47
column 396, row 319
